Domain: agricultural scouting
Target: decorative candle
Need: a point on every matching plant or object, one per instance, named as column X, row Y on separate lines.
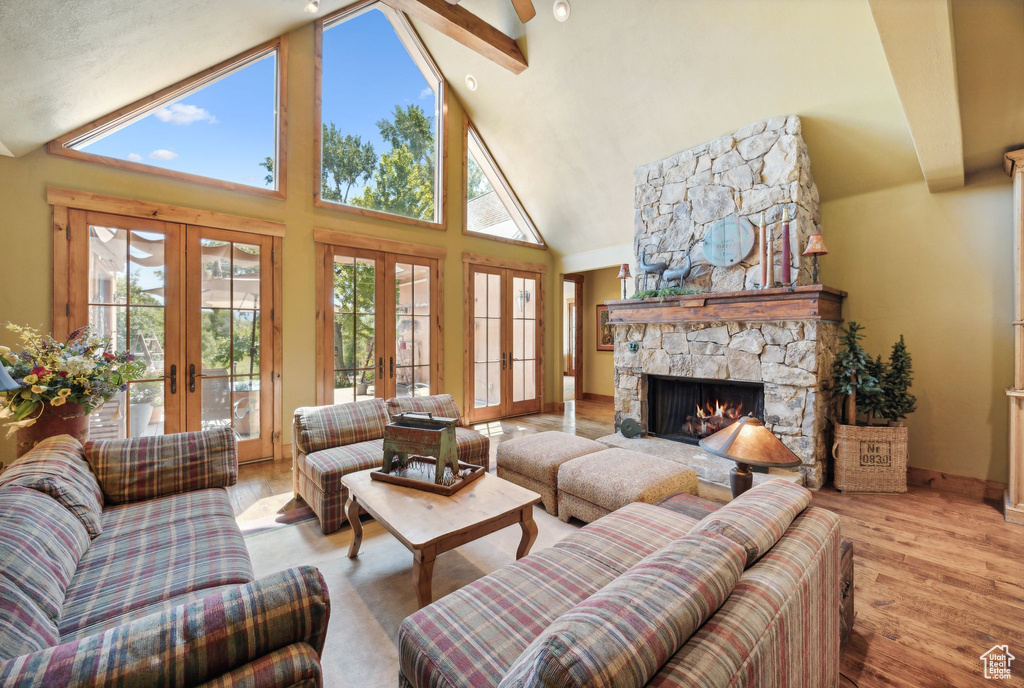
column 763, row 252
column 787, row 257
column 769, row 253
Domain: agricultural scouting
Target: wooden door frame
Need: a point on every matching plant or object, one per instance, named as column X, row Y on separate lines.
column 329, row 243
column 577, row 328
column 468, row 261
column 470, row 413
column 70, row 257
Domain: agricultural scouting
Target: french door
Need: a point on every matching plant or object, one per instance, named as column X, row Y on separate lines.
column 380, row 330
column 194, row 305
column 505, row 335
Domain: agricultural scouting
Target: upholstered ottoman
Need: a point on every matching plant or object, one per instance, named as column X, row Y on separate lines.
column 597, row 484
column 532, row 461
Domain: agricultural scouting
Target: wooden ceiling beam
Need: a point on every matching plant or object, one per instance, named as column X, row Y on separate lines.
column 917, row 37
column 466, row 28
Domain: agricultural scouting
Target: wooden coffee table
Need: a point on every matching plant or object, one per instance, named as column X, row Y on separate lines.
column 429, row 524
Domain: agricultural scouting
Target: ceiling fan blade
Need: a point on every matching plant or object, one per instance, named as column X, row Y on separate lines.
column 525, row 10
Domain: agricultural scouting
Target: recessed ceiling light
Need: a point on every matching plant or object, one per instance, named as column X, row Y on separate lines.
column 471, row 82
column 561, row 10
column 313, row 6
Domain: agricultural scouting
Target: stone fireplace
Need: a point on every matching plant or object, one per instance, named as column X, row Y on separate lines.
column 771, row 349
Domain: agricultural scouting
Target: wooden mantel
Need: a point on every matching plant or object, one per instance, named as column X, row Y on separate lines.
column 812, row 302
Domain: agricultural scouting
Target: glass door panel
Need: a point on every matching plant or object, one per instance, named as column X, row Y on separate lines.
column 354, row 328
column 489, row 355
column 523, row 368
column 133, row 302
column 226, row 382
column 413, row 332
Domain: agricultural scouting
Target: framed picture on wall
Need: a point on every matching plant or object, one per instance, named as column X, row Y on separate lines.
column 605, row 331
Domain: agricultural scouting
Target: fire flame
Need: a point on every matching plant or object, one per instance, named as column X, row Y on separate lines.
column 719, row 411
column 712, row 416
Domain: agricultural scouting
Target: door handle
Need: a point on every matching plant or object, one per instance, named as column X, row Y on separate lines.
column 192, row 377
column 503, row 360
column 381, row 364
column 391, row 360
column 174, row 379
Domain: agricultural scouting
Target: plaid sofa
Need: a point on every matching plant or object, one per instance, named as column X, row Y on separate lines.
column 329, row 442
column 746, row 596
column 123, row 566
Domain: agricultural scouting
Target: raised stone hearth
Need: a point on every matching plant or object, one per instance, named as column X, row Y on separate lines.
column 785, row 338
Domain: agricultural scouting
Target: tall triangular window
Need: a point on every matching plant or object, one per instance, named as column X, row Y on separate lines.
column 220, row 127
column 492, row 208
column 382, row 119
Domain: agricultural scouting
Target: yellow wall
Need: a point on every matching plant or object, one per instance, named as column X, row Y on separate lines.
column 25, row 233
column 938, row 269
column 598, row 366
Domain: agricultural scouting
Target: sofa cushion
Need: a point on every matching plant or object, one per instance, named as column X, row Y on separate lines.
column 621, row 635
column 154, row 551
column 758, row 518
column 40, row 546
column 472, row 636
column 24, row 627
column 57, row 467
column 473, row 447
column 441, row 405
column 326, row 468
column 624, row 537
column 323, row 427
column 141, row 468
column 538, row 456
column 782, row 619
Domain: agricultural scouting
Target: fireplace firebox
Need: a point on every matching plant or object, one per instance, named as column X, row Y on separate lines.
column 686, row 410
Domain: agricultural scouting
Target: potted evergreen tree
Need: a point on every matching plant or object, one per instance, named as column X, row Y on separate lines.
column 871, row 457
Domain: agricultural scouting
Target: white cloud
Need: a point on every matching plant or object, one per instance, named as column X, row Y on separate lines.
column 135, row 157
column 426, row 93
column 163, row 154
column 181, row 113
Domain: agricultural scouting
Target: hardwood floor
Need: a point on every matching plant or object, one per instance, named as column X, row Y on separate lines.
column 939, row 577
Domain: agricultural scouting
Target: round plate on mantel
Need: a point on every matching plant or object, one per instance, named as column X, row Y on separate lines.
column 728, row 241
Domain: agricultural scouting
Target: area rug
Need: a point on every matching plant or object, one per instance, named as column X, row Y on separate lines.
column 372, row 594
column 275, row 521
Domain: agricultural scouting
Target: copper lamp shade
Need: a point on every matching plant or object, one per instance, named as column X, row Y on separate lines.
column 749, row 443
column 815, row 246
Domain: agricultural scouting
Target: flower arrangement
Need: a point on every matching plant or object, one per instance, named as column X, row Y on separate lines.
column 52, row 373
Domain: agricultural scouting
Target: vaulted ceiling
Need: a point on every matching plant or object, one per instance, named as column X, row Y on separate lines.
column 618, row 85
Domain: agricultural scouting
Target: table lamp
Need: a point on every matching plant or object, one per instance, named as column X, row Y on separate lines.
column 749, row 443
column 815, row 248
column 624, row 275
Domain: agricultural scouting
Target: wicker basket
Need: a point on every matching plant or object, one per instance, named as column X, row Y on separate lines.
column 870, row 458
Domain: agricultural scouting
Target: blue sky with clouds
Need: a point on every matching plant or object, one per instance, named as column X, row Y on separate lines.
column 225, row 129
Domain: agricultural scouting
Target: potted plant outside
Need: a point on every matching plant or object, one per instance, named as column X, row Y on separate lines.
column 58, row 384
column 142, row 396
column 871, row 456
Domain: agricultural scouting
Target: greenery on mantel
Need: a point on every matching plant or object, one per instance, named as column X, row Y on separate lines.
column 663, row 293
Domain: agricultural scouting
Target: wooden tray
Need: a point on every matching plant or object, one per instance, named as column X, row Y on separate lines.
column 424, row 480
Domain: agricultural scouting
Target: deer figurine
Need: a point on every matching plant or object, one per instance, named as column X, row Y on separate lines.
column 646, row 268
column 680, row 273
